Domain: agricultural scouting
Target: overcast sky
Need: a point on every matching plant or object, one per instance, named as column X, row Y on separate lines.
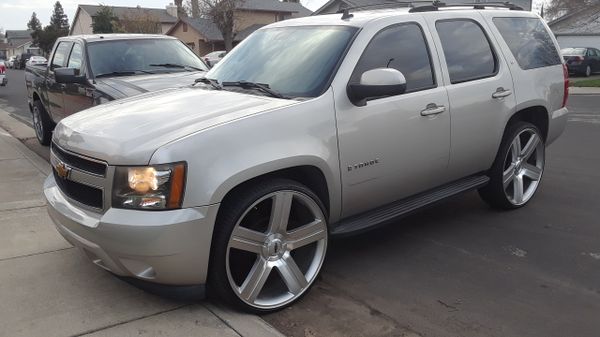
column 14, row 14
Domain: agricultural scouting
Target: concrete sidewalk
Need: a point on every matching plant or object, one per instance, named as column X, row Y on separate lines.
column 48, row 288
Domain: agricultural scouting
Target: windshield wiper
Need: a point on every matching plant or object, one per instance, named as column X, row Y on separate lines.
column 175, row 65
column 214, row 83
column 252, row 85
column 123, row 73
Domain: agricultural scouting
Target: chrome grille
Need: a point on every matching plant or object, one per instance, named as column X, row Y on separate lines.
column 84, row 180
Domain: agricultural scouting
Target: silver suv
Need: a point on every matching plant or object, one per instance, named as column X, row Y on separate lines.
column 310, row 128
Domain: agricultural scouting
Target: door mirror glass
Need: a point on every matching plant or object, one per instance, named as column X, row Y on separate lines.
column 68, row 75
column 377, row 83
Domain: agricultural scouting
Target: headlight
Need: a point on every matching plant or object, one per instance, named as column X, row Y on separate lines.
column 149, row 187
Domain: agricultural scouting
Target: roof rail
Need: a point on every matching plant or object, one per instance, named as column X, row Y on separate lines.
column 478, row 5
column 390, row 4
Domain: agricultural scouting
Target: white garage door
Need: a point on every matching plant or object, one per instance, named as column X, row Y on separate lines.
column 579, row 41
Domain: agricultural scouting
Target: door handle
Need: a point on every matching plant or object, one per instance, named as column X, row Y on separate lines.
column 501, row 93
column 433, row 109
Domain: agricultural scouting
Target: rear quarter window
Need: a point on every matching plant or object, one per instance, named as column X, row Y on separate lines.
column 529, row 42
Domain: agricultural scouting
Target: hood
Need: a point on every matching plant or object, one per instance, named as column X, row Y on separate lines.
column 127, row 86
column 129, row 131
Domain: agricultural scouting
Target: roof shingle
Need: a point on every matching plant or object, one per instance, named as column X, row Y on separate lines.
column 160, row 13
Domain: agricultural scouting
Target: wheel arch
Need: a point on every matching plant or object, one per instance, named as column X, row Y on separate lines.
column 534, row 114
column 309, row 175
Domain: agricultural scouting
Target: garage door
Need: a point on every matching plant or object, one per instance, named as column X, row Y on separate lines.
column 579, row 41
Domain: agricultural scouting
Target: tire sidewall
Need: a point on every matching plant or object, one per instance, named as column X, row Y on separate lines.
column 230, row 212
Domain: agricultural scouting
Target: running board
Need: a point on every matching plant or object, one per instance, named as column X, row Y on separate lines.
column 370, row 219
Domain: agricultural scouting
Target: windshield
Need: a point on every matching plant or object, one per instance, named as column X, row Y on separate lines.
column 296, row 61
column 141, row 55
column 573, row 51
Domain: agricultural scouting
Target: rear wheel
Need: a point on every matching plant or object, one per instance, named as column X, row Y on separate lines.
column 42, row 123
column 517, row 170
column 269, row 245
column 588, row 71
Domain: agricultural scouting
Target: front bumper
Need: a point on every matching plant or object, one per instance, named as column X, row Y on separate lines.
column 3, row 80
column 166, row 247
column 557, row 124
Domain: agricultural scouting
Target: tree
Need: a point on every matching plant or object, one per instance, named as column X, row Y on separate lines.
column 104, row 21
column 141, row 22
column 59, row 26
column 35, row 26
column 557, row 8
column 223, row 14
column 59, row 19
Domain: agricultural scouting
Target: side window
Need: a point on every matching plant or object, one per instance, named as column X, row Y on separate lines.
column 402, row 47
column 528, row 41
column 76, row 58
column 467, row 49
column 59, row 59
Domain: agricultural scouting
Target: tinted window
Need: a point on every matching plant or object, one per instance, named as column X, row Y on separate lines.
column 76, row 58
column 528, row 41
column 401, row 47
column 467, row 50
column 141, row 55
column 297, row 61
column 60, row 55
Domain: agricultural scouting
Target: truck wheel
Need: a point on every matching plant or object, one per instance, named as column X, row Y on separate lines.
column 42, row 123
column 517, row 170
column 268, row 247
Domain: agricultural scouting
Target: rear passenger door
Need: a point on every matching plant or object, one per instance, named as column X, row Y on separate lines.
column 480, row 89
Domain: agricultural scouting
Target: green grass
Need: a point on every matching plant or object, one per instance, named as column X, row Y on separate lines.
column 586, row 83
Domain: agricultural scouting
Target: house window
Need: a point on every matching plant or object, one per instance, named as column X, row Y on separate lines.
column 185, row 27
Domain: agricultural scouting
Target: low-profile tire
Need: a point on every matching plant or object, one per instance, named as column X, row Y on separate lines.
column 517, row 171
column 269, row 244
column 42, row 124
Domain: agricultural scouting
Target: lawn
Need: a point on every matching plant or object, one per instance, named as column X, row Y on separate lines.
column 586, row 83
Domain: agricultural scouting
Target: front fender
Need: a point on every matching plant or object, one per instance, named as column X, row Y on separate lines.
column 224, row 156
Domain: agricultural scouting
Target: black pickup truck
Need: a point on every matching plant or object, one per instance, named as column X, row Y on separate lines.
column 88, row 70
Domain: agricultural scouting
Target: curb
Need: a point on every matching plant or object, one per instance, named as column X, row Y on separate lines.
column 246, row 325
column 12, row 129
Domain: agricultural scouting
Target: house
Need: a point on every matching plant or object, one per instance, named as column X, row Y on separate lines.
column 84, row 16
column 578, row 29
column 333, row 6
column 203, row 36
column 19, row 42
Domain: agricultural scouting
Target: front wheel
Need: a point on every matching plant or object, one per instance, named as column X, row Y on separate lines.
column 42, row 123
column 588, row 71
column 269, row 245
column 517, row 170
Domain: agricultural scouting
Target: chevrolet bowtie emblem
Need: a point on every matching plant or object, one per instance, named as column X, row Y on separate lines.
column 62, row 170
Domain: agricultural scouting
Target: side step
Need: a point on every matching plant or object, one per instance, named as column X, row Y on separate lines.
column 370, row 219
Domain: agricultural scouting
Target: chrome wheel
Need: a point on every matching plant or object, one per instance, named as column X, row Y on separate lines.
column 523, row 166
column 276, row 249
column 37, row 123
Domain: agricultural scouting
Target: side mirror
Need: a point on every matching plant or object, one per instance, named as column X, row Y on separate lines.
column 68, row 75
column 375, row 83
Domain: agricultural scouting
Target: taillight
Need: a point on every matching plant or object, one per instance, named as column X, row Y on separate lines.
column 566, row 83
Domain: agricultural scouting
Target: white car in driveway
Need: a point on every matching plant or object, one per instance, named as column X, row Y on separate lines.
column 213, row 58
column 34, row 60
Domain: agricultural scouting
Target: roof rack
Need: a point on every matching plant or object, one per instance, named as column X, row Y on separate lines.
column 478, row 5
column 432, row 5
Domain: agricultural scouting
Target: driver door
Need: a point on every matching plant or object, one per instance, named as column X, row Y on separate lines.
column 397, row 146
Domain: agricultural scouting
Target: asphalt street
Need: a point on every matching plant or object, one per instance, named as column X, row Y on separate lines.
column 461, row 268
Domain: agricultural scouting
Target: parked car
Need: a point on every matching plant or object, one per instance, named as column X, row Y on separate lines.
column 582, row 61
column 36, row 60
column 88, row 70
column 213, row 58
column 10, row 63
column 23, row 58
column 311, row 127
column 3, row 79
